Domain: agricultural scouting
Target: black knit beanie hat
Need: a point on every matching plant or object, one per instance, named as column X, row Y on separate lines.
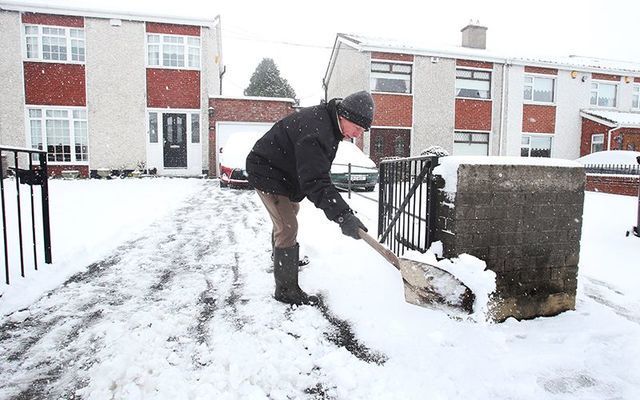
column 357, row 108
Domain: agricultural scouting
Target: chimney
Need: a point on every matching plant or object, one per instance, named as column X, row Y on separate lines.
column 474, row 35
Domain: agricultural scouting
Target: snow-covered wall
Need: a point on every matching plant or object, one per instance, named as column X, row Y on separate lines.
column 12, row 126
column 116, row 86
column 433, row 103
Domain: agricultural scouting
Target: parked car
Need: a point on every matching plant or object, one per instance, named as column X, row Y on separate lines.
column 233, row 156
column 364, row 174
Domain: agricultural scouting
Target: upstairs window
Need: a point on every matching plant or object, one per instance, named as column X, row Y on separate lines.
column 635, row 100
column 473, row 84
column 49, row 43
column 539, row 89
column 173, row 51
column 603, row 94
column 390, row 77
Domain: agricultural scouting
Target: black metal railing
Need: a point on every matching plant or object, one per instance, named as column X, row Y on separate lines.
column 31, row 176
column 407, row 203
column 621, row 169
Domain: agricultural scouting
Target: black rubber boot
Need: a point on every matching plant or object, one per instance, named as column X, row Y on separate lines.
column 285, row 271
column 304, row 261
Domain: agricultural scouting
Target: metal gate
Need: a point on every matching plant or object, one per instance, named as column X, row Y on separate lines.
column 30, row 176
column 406, row 205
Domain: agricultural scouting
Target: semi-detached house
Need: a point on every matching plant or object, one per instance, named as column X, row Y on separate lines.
column 473, row 102
column 108, row 90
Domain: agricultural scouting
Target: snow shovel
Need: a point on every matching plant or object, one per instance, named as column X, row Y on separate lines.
column 426, row 285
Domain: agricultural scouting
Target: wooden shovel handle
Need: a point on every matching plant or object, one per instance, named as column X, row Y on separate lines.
column 383, row 251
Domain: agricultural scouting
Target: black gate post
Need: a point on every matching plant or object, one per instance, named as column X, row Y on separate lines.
column 46, row 227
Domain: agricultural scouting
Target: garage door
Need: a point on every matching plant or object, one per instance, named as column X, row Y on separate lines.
column 225, row 129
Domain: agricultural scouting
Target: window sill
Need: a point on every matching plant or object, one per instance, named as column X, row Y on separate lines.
column 173, row 68
column 38, row 60
column 392, row 93
column 538, row 103
column 473, row 98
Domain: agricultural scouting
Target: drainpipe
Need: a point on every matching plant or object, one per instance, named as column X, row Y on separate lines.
column 609, row 136
column 503, row 102
column 221, row 74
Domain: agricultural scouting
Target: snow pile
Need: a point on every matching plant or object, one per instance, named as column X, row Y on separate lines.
column 237, row 148
column 349, row 153
column 617, row 157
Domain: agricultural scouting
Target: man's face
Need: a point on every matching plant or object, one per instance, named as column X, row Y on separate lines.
column 349, row 129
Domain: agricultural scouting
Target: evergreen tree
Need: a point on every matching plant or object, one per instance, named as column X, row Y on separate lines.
column 267, row 82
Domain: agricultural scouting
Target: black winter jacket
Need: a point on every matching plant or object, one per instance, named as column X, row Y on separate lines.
column 294, row 158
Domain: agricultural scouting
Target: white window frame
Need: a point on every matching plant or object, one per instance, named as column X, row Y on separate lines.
column 528, row 145
column 635, row 96
column 471, row 141
column 535, row 78
column 68, row 39
column 72, row 130
column 600, row 141
column 192, row 114
column 391, row 74
column 186, row 47
column 473, row 72
column 597, row 91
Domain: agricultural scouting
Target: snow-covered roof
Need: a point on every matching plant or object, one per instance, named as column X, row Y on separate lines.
column 259, row 98
column 129, row 13
column 613, row 118
column 421, row 48
column 617, row 157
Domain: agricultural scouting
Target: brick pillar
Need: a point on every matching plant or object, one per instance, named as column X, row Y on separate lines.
column 525, row 222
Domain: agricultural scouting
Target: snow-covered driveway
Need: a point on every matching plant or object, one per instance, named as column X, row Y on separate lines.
column 182, row 312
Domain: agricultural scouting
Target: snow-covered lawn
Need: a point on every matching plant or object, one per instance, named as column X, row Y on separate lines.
column 179, row 306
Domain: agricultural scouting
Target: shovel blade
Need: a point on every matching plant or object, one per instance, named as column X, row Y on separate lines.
column 429, row 286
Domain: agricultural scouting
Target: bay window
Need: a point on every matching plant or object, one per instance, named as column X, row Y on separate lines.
column 603, row 94
column 61, row 132
column 53, row 43
column 173, row 51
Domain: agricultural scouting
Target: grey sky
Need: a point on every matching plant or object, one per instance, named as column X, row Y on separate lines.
column 298, row 35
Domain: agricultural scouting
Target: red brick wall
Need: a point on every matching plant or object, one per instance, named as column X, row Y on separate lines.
column 473, row 114
column 393, row 110
column 173, row 88
column 391, row 56
column 538, row 119
column 474, row 64
column 171, row 29
column 540, row 70
column 589, row 128
column 606, row 77
column 627, row 186
column 242, row 110
column 54, row 84
column 49, row 19
column 389, row 138
column 56, row 170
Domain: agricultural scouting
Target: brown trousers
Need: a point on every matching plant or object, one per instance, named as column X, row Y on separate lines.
column 283, row 213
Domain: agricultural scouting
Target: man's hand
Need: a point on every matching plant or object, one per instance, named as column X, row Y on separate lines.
column 350, row 224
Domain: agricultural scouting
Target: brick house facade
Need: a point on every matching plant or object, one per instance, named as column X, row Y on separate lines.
column 471, row 101
column 107, row 90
